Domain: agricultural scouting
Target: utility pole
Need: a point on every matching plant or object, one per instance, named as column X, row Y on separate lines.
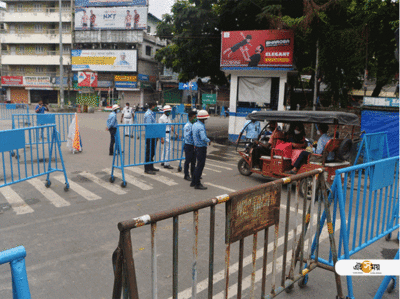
column 61, row 58
column 315, row 86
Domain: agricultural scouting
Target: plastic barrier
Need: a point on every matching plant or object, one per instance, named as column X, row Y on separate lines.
column 373, row 147
column 38, row 158
column 365, row 198
column 130, row 152
column 247, row 213
column 16, row 258
column 61, row 120
column 7, row 110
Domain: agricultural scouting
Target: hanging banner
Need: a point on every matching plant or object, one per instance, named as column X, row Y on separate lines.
column 89, row 3
column 260, row 48
column 121, row 18
column 104, row 60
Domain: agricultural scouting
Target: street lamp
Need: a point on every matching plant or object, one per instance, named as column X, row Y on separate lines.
column 61, row 59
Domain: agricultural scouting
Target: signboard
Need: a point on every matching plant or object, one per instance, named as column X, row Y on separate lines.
column 120, row 18
column 12, row 80
column 125, row 81
column 188, row 86
column 104, row 83
column 126, row 78
column 89, row 3
column 260, row 48
column 209, row 99
column 104, row 60
column 56, row 81
column 143, row 77
column 251, row 211
column 87, row 79
column 382, row 102
column 37, row 81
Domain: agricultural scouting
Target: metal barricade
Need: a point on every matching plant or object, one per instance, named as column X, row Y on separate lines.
column 61, row 120
column 177, row 118
column 7, row 110
column 37, row 152
column 388, row 283
column 139, row 149
column 16, row 258
column 373, row 147
column 365, row 199
column 247, row 213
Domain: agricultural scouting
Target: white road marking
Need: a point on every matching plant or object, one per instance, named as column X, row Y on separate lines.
column 131, row 180
column 212, row 169
column 50, row 195
column 78, row 189
column 246, row 282
column 17, row 203
column 220, row 162
column 220, row 187
column 218, row 166
column 102, row 183
column 160, row 178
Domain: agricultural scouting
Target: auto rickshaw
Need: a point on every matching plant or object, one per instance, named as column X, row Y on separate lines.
column 275, row 165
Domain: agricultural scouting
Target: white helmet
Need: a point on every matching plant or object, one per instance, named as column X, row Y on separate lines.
column 254, row 111
column 114, row 107
column 202, row 114
column 167, row 108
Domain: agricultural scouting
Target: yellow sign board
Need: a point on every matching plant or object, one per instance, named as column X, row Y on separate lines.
column 125, row 78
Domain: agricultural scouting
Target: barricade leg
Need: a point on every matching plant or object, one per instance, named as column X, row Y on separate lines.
column 388, row 283
column 180, row 162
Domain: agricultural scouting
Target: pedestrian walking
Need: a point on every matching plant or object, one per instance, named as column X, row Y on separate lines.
column 41, row 108
column 150, row 118
column 201, row 142
column 190, row 155
column 127, row 116
column 165, row 154
column 112, row 127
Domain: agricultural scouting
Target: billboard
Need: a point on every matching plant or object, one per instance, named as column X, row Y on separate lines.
column 89, row 3
column 87, row 79
column 12, row 80
column 121, row 18
column 104, row 60
column 260, row 49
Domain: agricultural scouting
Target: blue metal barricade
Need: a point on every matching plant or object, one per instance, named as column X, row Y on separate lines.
column 388, row 283
column 373, row 147
column 139, row 149
column 365, row 199
column 7, row 110
column 61, row 120
column 42, row 156
column 16, row 258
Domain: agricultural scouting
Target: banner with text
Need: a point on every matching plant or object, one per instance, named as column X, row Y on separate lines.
column 260, row 48
column 121, row 18
column 104, row 60
column 12, row 80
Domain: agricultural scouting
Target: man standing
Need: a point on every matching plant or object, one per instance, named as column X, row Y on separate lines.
column 200, row 141
column 92, row 20
column 136, row 19
column 190, row 155
column 164, row 119
column 128, row 20
column 40, row 108
column 127, row 116
column 85, row 20
column 112, row 127
column 150, row 118
column 252, row 129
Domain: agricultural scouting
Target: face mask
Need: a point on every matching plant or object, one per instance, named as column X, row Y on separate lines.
column 296, row 132
column 154, row 109
column 167, row 113
column 193, row 120
column 318, row 132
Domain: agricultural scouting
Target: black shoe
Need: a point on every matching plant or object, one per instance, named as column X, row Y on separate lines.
column 192, row 185
column 200, row 187
column 155, row 169
column 188, row 178
column 111, row 154
column 168, row 167
column 162, row 164
column 149, row 172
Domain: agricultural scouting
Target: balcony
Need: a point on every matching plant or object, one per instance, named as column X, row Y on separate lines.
column 50, row 36
column 34, row 59
column 49, row 15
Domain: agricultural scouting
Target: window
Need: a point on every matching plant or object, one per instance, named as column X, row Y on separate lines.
column 148, row 29
column 20, row 68
column 2, row 26
column 148, row 50
column 37, row 7
column 39, row 49
column 20, row 28
column 19, row 7
column 65, row 6
column 39, row 69
column 65, row 27
column 21, row 49
column 66, row 49
column 38, row 27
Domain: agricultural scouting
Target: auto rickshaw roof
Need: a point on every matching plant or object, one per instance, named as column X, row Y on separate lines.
column 321, row 117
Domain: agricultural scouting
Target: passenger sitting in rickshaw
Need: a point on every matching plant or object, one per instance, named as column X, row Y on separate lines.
column 296, row 136
column 263, row 146
column 322, row 141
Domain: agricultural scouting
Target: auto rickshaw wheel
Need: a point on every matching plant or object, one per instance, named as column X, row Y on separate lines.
column 306, row 188
column 244, row 167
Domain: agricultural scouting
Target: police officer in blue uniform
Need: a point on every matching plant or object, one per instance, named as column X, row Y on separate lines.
column 201, row 141
column 252, row 128
column 112, row 127
column 190, row 155
column 150, row 118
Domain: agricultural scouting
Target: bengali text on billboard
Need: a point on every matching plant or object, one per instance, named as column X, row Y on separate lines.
column 89, row 3
column 260, row 48
column 121, row 18
column 104, row 60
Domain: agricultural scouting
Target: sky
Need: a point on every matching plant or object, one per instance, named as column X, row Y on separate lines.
column 160, row 7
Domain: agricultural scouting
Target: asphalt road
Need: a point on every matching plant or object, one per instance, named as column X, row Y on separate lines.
column 69, row 247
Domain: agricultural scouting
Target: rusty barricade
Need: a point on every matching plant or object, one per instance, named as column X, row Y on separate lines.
column 247, row 213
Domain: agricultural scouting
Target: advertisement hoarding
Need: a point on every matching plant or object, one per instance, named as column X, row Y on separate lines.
column 37, row 81
column 89, row 3
column 12, row 80
column 95, row 18
column 87, row 79
column 260, row 48
column 104, row 60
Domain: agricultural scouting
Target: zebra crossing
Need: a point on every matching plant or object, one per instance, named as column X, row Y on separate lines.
column 89, row 186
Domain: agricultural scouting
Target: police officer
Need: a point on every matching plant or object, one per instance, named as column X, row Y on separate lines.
column 252, row 128
column 190, row 155
column 150, row 118
column 127, row 116
column 200, row 141
column 164, row 119
column 112, row 127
